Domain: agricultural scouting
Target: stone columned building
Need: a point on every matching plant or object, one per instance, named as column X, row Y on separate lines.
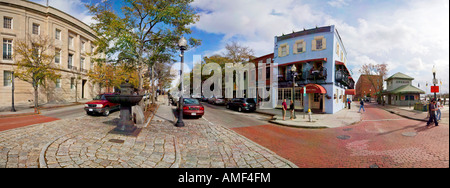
column 73, row 41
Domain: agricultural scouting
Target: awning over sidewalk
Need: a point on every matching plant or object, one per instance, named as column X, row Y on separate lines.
column 314, row 88
column 350, row 92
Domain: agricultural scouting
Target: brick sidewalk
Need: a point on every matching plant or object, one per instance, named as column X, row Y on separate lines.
column 415, row 114
column 86, row 143
column 342, row 118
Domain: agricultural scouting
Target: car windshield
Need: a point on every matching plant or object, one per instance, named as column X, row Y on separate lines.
column 100, row 97
column 191, row 101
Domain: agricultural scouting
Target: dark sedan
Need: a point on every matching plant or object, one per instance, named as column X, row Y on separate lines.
column 242, row 104
column 192, row 107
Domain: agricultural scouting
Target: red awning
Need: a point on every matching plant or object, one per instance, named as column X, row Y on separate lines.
column 314, row 88
column 350, row 92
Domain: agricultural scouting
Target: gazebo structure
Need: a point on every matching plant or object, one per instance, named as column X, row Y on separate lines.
column 400, row 91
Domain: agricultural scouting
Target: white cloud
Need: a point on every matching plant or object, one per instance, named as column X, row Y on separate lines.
column 74, row 8
column 255, row 22
column 338, row 3
column 410, row 37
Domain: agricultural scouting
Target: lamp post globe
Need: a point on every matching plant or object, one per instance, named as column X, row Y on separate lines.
column 182, row 43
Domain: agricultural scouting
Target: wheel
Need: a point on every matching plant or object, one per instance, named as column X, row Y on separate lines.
column 106, row 112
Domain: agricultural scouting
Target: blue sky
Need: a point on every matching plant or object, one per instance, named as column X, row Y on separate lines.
column 409, row 35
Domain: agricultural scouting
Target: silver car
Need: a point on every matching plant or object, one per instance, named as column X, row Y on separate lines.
column 216, row 100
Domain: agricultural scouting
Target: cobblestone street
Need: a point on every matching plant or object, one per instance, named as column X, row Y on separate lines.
column 86, row 143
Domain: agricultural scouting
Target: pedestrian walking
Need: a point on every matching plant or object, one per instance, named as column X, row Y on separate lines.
column 292, row 108
column 361, row 106
column 438, row 111
column 284, row 105
column 349, row 102
column 431, row 111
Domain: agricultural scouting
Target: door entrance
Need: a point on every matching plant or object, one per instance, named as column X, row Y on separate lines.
column 83, row 83
column 317, row 102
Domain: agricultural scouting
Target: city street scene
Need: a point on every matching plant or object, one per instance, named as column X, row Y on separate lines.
column 224, row 84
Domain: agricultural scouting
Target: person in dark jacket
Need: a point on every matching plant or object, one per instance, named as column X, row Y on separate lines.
column 292, row 108
column 284, row 106
column 362, row 106
column 431, row 113
column 349, row 102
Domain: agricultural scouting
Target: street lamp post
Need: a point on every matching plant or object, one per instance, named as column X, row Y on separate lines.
column 434, row 80
column 182, row 43
column 293, row 72
column 13, row 109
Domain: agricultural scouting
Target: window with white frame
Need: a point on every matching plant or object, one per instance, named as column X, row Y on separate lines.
column 7, row 49
column 7, row 78
column 7, row 22
column 69, row 63
column 82, row 46
column 35, row 29
column 299, row 46
column 283, row 50
column 319, row 43
column 58, row 34
column 58, row 83
column 70, row 41
column 81, row 63
column 57, row 56
column 72, row 83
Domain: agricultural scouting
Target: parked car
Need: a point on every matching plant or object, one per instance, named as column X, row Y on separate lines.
column 242, row 104
column 99, row 105
column 192, row 107
column 204, row 99
column 215, row 100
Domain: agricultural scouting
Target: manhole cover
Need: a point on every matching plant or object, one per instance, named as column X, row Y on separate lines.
column 409, row 134
column 347, row 129
column 343, row 137
column 117, row 141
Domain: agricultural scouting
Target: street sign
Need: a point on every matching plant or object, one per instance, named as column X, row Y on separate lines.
column 434, row 89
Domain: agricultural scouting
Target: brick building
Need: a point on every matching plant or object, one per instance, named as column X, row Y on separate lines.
column 368, row 86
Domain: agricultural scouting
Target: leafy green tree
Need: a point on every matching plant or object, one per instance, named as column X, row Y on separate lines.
column 34, row 57
column 146, row 28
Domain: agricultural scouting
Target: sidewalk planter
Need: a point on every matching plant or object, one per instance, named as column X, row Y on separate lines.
column 421, row 107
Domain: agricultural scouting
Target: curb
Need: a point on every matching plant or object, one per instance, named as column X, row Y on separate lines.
column 39, row 109
column 18, row 115
column 299, row 126
column 408, row 117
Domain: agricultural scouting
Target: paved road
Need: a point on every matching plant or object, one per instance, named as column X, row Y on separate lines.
column 47, row 115
column 233, row 119
column 88, row 142
column 381, row 139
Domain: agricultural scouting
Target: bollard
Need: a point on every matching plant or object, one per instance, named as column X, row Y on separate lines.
column 309, row 115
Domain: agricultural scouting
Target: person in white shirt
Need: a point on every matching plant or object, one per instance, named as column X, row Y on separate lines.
column 438, row 112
